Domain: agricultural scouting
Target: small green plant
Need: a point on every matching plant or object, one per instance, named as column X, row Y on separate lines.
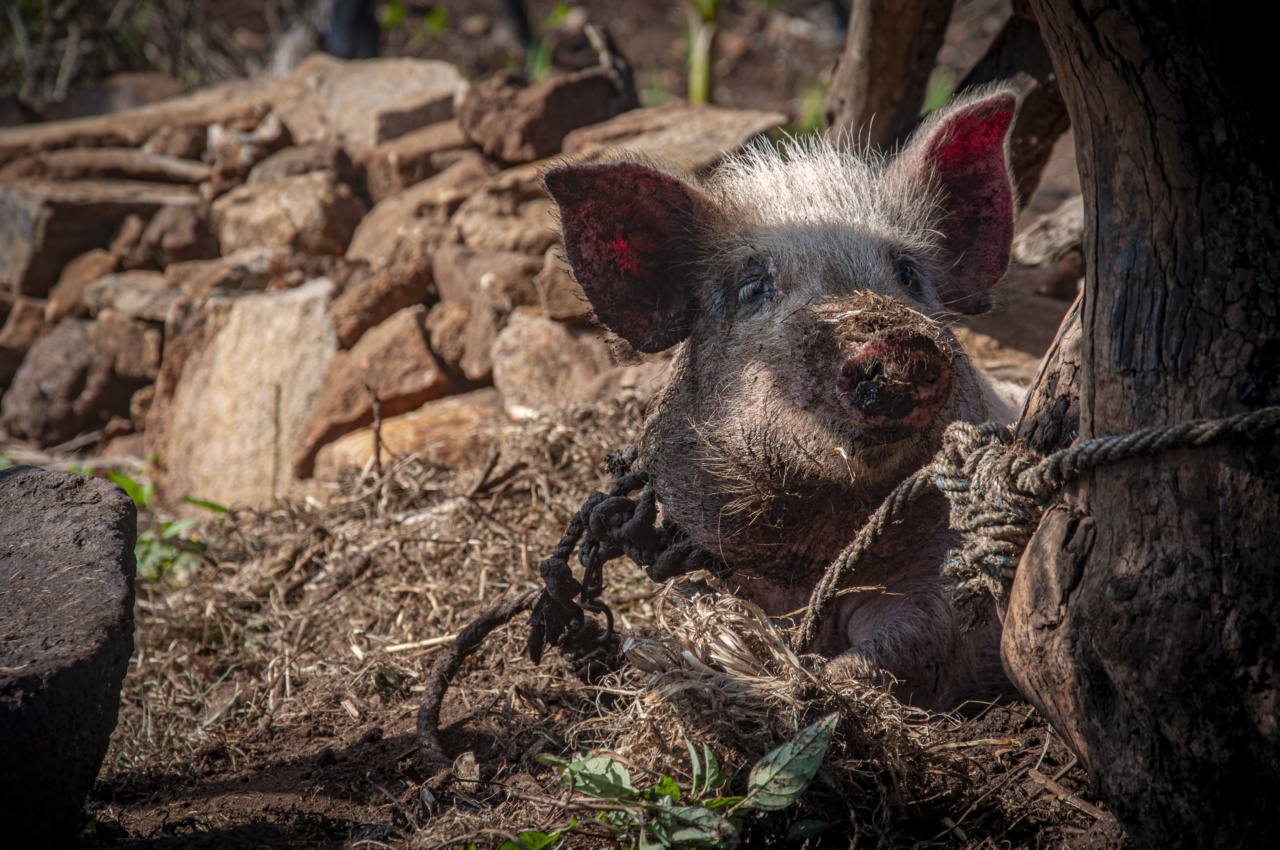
column 663, row 815
column 703, row 16
column 940, row 86
column 164, row 547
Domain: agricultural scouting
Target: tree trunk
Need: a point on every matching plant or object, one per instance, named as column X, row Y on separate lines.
column 1143, row 620
column 879, row 85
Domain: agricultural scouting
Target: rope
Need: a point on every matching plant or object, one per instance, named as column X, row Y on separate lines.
column 999, row 488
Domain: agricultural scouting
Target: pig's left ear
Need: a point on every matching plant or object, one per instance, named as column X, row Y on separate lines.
column 963, row 153
column 628, row 234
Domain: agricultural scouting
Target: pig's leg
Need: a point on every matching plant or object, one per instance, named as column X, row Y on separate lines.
column 908, row 637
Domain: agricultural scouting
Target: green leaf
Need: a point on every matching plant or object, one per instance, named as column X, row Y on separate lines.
column 553, row 761
column 714, row 778
column 668, row 788
column 600, row 776
column 133, row 489
column 175, row 528
column 720, row 804
column 781, row 776
column 696, row 825
column 206, row 504
column 531, row 840
column 695, row 769
column 393, row 15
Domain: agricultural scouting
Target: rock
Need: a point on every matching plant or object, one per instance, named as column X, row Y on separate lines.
column 638, row 381
column 1051, row 236
column 395, row 165
column 540, row 366
column 44, row 224
column 392, row 361
column 558, row 293
column 512, row 214
column 106, row 164
column 25, row 324
column 130, row 128
column 493, row 284
column 131, row 347
column 63, row 388
column 305, row 159
column 257, row 269
column 691, row 136
column 186, row 141
column 77, row 275
column 452, row 432
column 517, row 123
column 175, row 234
column 365, row 102
column 137, row 294
column 140, row 408
column 66, row 614
column 447, row 325
column 236, row 148
column 376, row 298
column 311, row 212
column 503, row 279
column 128, row 237
column 410, row 225
column 229, row 411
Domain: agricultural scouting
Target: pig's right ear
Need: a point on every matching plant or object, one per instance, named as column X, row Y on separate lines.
column 628, row 233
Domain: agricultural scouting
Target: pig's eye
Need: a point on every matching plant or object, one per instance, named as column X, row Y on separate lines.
column 756, row 288
column 910, row 278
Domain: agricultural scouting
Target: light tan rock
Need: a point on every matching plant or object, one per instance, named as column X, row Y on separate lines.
column 43, row 224
column 493, row 284
column 392, row 362
column 224, row 428
column 447, row 325
column 25, row 324
column 132, row 347
column 410, row 226
column 175, row 234
column 311, row 212
column 137, row 294
column 512, row 214
column 132, row 127
column 105, row 164
column 365, row 102
column 453, row 432
column 540, row 366
column 392, row 167
column 517, row 123
column 379, row 296
column 694, row 137
column 76, row 277
column 558, row 293
column 257, row 269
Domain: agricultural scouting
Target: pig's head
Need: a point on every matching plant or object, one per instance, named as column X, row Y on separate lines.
column 810, row 292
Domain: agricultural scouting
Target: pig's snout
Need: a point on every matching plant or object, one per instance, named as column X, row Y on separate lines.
column 899, row 379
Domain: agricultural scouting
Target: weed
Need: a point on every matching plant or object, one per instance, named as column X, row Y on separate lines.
column 164, row 547
column 663, row 815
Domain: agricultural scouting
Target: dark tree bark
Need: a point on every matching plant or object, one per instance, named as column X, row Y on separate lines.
column 1144, row 619
column 879, row 85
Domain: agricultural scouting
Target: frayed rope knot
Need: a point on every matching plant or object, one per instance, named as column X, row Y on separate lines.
column 999, row 488
column 980, row 470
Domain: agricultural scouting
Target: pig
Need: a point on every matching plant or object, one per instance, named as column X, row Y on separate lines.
column 809, row 292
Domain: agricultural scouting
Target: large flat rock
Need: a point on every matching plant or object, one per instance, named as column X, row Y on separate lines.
column 66, row 634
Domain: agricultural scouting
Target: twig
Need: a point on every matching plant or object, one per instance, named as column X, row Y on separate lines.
column 1066, row 796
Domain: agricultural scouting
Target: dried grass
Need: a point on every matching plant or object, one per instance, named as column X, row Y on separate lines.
column 313, row 623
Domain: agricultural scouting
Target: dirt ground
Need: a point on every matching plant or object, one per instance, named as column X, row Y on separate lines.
column 273, row 697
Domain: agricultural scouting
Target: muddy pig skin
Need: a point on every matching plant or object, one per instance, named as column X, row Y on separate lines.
column 810, row 293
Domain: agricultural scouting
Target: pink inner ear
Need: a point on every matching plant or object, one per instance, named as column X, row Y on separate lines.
column 965, row 153
column 628, row 235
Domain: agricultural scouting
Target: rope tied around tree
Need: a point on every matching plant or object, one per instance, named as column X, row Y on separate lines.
column 999, row 488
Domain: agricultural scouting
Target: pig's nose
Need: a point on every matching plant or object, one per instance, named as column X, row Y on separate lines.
column 898, row 379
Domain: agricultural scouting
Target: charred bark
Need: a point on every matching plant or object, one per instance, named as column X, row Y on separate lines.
column 1143, row 620
column 879, row 86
